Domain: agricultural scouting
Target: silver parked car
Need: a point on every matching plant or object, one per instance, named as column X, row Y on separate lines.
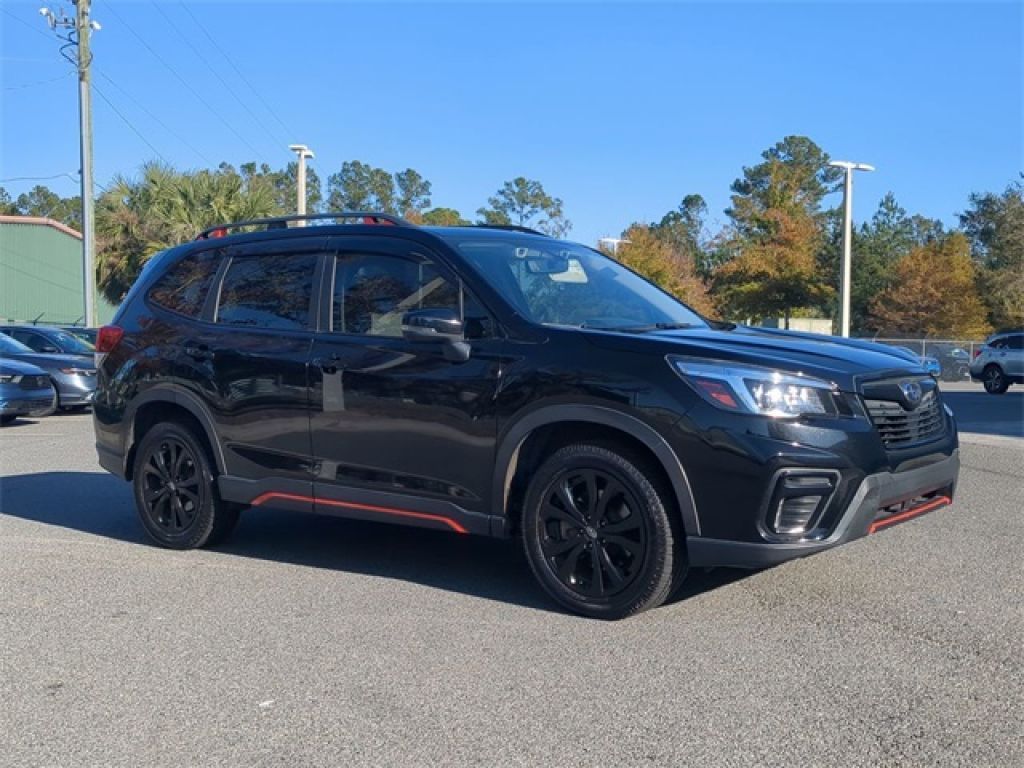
column 74, row 376
column 999, row 362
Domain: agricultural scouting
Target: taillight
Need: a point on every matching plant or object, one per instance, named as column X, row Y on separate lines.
column 108, row 338
column 977, row 351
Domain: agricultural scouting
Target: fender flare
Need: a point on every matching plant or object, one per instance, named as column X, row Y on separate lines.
column 166, row 393
column 514, row 437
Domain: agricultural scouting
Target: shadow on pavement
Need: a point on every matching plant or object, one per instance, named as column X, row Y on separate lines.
column 101, row 505
column 988, row 414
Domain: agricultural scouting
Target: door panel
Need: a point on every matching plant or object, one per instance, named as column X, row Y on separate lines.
column 392, row 416
column 251, row 358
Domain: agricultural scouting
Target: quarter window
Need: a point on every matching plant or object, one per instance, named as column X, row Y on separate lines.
column 268, row 291
column 183, row 288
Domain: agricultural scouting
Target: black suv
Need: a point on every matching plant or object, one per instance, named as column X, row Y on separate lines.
column 496, row 381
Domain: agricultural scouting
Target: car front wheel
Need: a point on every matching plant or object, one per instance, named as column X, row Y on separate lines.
column 599, row 534
column 175, row 493
column 995, row 380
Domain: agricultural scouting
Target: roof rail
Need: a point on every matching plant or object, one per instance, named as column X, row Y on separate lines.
column 512, row 228
column 281, row 222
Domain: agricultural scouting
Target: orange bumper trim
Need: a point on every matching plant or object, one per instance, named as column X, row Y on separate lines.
column 928, row 506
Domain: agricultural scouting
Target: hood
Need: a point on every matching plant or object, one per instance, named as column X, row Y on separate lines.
column 54, row 362
column 12, row 367
column 844, row 362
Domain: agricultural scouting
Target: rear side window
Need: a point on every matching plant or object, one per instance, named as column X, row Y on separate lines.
column 183, row 287
column 268, row 291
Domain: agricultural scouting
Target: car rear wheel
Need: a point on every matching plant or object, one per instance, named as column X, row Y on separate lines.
column 599, row 535
column 995, row 380
column 175, row 493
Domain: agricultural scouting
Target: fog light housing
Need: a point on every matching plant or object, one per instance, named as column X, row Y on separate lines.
column 797, row 501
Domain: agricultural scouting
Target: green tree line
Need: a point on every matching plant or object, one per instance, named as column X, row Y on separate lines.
column 777, row 255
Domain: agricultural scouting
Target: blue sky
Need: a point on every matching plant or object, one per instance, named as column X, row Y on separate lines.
column 619, row 109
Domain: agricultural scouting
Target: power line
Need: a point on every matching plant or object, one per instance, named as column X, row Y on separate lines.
column 25, row 23
column 206, row 63
column 38, row 178
column 153, row 117
column 216, row 43
column 128, row 122
column 39, row 82
column 184, row 82
column 42, row 279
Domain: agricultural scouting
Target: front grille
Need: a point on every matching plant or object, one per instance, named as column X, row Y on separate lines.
column 898, row 427
column 34, row 382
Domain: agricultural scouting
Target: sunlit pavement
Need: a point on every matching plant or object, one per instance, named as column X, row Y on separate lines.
column 312, row 641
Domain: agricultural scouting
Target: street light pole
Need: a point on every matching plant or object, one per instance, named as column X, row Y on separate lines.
column 79, row 31
column 300, row 204
column 845, row 273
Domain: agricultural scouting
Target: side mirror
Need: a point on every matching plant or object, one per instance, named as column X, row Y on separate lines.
column 432, row 325
column 439, row 325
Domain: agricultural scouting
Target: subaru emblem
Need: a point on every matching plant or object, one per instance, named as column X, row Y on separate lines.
column 911, row 392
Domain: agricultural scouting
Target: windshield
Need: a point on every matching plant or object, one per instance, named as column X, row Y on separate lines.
column 9, row 346
column 71, row 344
column 556, row 283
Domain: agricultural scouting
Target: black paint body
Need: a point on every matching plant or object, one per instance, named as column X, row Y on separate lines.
column 391, row 429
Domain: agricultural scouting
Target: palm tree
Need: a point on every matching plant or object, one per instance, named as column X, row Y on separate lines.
column 135, row 218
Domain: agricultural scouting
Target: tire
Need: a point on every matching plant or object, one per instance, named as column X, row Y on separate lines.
column 600, row 555
column 8, row 418
column 175, row 490
column 995, row 380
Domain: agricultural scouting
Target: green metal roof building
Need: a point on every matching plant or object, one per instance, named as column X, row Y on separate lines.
column 41, row 273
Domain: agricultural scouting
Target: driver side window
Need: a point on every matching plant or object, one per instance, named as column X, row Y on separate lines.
column 373, row 291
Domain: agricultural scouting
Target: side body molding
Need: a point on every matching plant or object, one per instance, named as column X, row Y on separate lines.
column 511, row 443
column 168, row 393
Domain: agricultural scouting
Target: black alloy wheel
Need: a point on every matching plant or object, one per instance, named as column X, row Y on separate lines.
column 172, row 491
column 599, row 535
column 994, row 380
column 175, row 492
column 594, row 538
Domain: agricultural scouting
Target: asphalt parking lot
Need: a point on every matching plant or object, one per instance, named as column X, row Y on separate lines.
column 313, row 641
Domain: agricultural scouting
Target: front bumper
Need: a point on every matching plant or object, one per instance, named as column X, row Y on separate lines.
column 74, row 389
column 28, row 404
column 933, row 483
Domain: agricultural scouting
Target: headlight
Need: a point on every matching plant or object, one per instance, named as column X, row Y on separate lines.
column 751, row 389
column 5, row 379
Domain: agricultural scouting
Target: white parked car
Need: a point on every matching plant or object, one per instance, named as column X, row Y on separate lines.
column 1000, row 362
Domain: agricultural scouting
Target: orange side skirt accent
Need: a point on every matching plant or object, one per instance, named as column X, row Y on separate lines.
column 270, row 495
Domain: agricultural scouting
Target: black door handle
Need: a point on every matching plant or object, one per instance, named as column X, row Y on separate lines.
column 199, row 351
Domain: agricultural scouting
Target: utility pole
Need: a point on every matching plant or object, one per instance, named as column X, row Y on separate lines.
column 845, row 274
column 300, row 204
column 76, row 34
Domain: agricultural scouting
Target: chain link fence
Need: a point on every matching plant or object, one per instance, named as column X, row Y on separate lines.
column 954, row 355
